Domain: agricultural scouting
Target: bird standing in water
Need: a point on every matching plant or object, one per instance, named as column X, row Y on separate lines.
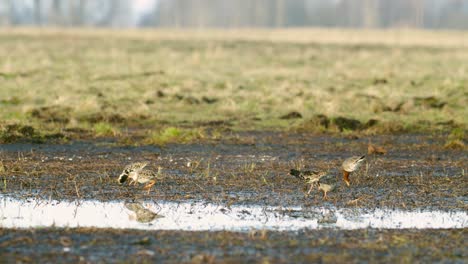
column 351, row 164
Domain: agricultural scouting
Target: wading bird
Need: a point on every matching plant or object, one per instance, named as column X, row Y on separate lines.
column 325, row 188
column 131, row 171
column 351, row 164
column 149, row 177
column 137, row 174
column 311, row 177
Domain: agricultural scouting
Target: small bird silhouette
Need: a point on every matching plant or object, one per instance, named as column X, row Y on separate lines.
column 311, row 177
column 351, row 164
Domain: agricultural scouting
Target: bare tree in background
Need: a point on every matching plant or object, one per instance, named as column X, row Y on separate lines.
column 5, row 13
column 240, row 13
column 279, row 14
column 77, row 11
column 37, row 12
column 260, row 13
column 55, row 13
column 369, row 13
column 418, row 14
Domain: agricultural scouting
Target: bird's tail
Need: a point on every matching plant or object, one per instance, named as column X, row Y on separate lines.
column 296, row 173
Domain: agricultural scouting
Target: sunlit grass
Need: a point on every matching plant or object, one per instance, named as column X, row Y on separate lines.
column 174, row 135
column 105, row 129
column 141, row 79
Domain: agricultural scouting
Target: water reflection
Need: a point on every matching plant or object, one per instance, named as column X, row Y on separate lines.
column 142, row 214
column 207, row 216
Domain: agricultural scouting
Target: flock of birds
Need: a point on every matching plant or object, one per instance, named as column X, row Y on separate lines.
column 136, row 173
column 313, row 177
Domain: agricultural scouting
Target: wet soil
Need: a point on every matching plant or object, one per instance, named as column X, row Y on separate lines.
column 416, row 172
column 306, row 246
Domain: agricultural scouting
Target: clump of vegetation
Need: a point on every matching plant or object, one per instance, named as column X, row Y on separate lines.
column 56, row 114
column 103, row 118
column 429, row 102
column 174, row 135
column 105, row 129
column 11, row 101
column 342, row 124
column 455, row 139
column 16, row 132
column 23, row 133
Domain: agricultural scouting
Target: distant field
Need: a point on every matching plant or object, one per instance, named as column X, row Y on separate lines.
column 170, row 83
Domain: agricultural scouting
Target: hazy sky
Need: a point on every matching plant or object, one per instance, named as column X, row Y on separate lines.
column 143, row 6
column 140, row 8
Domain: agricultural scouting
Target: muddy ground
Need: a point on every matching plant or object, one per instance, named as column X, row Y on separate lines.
column 307, row 246
column 417, row 172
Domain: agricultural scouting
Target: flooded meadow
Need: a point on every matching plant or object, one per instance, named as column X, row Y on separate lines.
column 233, row 194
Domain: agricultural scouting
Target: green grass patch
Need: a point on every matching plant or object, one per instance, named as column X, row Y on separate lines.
column 174, row 135
column 455, row 139
column 105, row 129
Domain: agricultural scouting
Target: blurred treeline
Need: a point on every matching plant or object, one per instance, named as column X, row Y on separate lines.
column 434, row 14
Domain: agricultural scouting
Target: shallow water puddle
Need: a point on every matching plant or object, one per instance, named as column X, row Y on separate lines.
column 16, row 213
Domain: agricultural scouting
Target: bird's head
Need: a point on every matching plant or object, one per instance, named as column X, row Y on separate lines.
column 124, row 176
column 131, row 171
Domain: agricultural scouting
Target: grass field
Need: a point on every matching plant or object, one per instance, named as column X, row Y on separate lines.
column 253, row 104
column 167, row 85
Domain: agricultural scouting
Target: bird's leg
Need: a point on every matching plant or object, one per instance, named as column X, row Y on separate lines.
column 324, row 195
column 135, row 181
column 149, row 185
column 310, row 189
column 346, row 177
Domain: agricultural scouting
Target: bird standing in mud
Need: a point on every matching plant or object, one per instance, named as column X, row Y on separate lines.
column 311, row 177
column 131, row 171
column 351, row 164
column 325, row 188
column 137, row 174
column 149, row 177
